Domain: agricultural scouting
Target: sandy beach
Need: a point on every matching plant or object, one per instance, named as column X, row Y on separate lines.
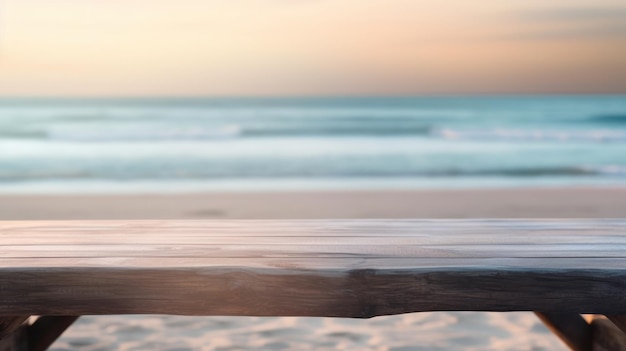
column 564, row 202
column 420, row 331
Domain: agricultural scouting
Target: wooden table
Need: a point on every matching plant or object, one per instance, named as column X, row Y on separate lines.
column 330, row 268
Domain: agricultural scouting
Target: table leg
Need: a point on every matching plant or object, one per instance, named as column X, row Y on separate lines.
column 571, row 328
column 46, row 330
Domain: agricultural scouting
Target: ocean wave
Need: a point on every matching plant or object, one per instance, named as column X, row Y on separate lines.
column 146, row 134
column 168, row 133
column 610, row 170
column 609, row 119
column 209, row 173
column 121, row 134
column 23, row 134
column 497, row 134
column 352, row 130
column 230, row 131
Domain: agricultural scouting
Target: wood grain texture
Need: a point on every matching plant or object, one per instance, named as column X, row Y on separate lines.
column 337, row 268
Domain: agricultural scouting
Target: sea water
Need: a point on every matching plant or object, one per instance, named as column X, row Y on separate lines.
column 186, row 145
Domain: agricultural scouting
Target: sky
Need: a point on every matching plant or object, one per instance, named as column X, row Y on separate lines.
column 311, row 47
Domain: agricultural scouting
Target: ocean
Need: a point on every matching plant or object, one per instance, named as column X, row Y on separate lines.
column 237, row 144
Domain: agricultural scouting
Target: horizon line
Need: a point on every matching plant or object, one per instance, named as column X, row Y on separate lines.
column 296, row 97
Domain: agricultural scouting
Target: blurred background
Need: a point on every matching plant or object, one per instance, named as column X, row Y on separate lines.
column 207, row 109
column 193, row 95
column 235, row 144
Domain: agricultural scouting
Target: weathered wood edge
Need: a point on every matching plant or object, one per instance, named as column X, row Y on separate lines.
column 358, row 293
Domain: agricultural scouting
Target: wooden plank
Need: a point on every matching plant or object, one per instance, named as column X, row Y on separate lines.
column 182, row 238
column 316, row 228
column 619, row 321
column 46, row 330
column 357, row 249
column 316, row 268
column 313, row 264
column 373, row 238
column 358, row 293
column 606, row 336
column 571, row 328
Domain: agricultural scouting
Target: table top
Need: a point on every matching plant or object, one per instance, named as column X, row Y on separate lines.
column 336, row 268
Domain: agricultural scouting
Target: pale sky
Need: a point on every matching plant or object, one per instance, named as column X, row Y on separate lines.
column 310, row 47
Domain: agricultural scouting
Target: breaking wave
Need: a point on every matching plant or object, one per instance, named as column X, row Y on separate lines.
column 529, row 135
column 85, row 172
column 130, row 134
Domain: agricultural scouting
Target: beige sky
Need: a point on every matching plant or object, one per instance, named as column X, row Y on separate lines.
column 310, row 47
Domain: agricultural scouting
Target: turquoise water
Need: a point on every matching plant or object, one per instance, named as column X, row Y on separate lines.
column 171, row 145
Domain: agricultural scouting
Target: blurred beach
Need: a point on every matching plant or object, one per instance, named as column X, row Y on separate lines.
column 506, row 157
column 195, row 109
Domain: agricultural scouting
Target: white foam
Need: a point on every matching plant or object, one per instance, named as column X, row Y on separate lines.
column 613, row 170
column 141, row 133
column 501, row 134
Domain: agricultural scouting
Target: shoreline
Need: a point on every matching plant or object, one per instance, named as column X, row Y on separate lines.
column 561, row 202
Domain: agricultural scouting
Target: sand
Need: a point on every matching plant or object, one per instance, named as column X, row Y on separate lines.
column 489, row 203
column 417, row 331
